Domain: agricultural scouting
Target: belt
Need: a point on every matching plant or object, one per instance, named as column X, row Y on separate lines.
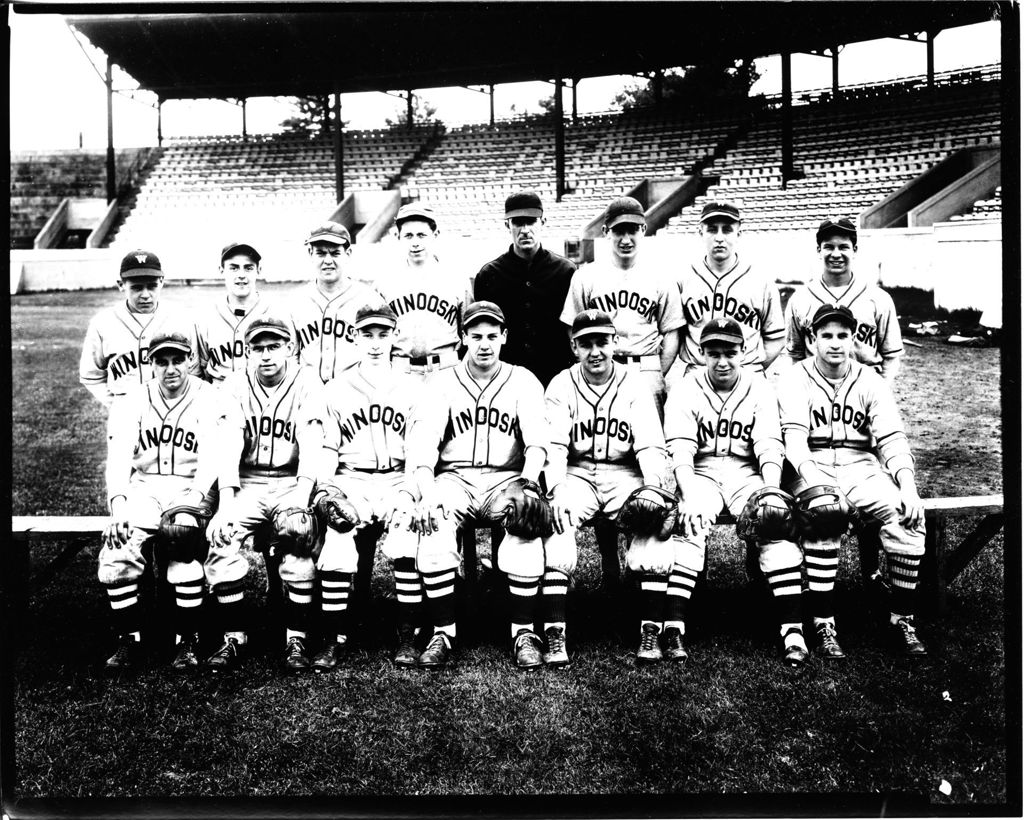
column 839, row 446
column 648, row 362
column 433, row 358
column 623, row 358
column 268, row 472
column 371, row 469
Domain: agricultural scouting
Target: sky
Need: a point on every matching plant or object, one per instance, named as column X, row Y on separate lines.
column 58, row 99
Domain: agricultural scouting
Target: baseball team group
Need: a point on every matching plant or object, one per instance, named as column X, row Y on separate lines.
column 532, row 397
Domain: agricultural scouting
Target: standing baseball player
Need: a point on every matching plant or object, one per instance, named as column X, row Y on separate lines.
column 425, row 296
column 221, row 326
column 115, row 355
column 722, row 429
column 481, row 425
column 877, row 341
column 722, row 285
column 364, row 433
column 161, row 453
column 271, row 433
column 606, row 442
column 324, row 311
column 844, row 435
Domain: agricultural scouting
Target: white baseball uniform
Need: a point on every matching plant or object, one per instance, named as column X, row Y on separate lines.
column 220, row 329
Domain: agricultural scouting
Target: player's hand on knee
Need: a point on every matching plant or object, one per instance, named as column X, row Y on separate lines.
column 912, row 511
column 222, row 530
column 403, row 514
column 116, row 533
column 693, row 523
column 563, row 516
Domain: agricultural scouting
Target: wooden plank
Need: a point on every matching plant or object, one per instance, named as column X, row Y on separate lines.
column 961, row 506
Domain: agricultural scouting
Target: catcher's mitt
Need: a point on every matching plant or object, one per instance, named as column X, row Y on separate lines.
column 767, row 516
column 648, row 511
column 296, row 532
column 822, row 513
column 522, row 510
column 334, row 509
column 183, row 531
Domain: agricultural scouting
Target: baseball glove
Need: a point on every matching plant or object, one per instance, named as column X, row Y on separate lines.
column 183, row 530
column 648, row 511
column 822, row 513
column 334, row 509
column 767, row 516
column 296, row 532
column 522, row 510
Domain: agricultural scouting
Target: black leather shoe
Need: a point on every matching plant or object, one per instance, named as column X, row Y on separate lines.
column 296, row 657
column 437, row 654
column 526, row 648
column 828, row 646
column 226, row 658
column 185, row 661
column 328, row 658
column 649, row 650
column 126, row 659
column 405, row 652
column 905, row 638
column 674, row 649
column 556, row 656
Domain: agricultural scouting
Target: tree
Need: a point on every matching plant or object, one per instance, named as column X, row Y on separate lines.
column 422, row 112
column 695, row 85
column 313, row 116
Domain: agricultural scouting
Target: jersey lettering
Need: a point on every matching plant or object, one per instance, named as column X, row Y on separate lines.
column 166, row 434
column 866, row 334
column 587, row 430
column 125, row 363
column 223, row 353
column 695, row 309
column 706, row 431
column 823, row 416
column 385, row 416
column 487, row 417
column 626, row 299
column 267, row 426
column 428, row 302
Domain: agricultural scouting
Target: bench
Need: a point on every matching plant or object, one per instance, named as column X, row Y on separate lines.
column 941, row 564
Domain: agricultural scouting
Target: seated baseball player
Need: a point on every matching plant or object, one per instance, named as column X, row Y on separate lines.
column 364, row 437
column 722, row 428
column 161, row 463
column 606, row 443
column 271, row 438
column 481, row 426
column 844, row 435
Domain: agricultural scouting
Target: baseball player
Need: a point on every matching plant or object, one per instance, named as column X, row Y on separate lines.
column 877, row 341
column 425, row 296
column 220, row 328
column 323, row 312
column 722, row 429
column 161, row 452
column 721, row 285
column 364, row 433
column 482, row 426
column 271, row 432
column 115, row 355
column 606, row 441
column 842, row 429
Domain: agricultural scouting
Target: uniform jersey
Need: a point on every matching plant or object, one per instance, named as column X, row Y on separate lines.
column 878, row 329
column 116, row 349
column 701, row 423
column 324, row 326
column 858, row 413
column 477, row 425
column 740, row 294
column 643, row 302
column 220, row 332
column 366, row 418
column 428, row 301
column 271, row 423
column 150, row 435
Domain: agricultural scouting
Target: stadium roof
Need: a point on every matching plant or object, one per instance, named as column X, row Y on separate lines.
column 320, row 48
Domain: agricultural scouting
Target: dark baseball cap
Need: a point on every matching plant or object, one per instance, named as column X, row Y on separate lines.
column 834, row 313
column 525, row 203
column 416, row 210
column 720, row 210
column 240, row 247
column 722, row 330
column 624, row 209
column 333, row 232
column 170, row 338
column 271, row 324
column 375, row 316
column 140, row 263
column 482, row 311
column 834, row 225
column 592, row 322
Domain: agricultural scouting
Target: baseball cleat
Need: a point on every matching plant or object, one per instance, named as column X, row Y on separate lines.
column 296, row 657
column 795, row 655
column 828, row 646
column 649, row 650
column 437, row 654
column 328, row 658
column 905, row 637
column 127, row 658
column 405, row 652
column 226, row 658
column 185, row 661
column 526, row 649
column 674, row 649
column 556, row 656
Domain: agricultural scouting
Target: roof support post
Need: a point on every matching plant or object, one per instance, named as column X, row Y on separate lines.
column 575, row 111
column 559, row 142
column 835, row 72
column 245, row 132
column 111, row 168
column 490, row 93
column 339, row 157
column 658, row 86
column 787, row 118
column 159, row 122
column 408, row 109
column 929, row 44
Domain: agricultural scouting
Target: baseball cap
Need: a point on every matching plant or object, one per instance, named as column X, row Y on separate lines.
column 719, row 210
column 525, row 203
column 834, row 225
column 333, row 232
column 375, row 315
column 168, row 337
column 415, row 210
column 140, row 263
column 239, row 247
column 482, row 311
column 624, row 209
column 722, row 330
column 271, row 324
column 834, row 313
column 592, row 322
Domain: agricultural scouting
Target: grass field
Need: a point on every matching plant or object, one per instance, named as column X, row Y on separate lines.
column 731, row 721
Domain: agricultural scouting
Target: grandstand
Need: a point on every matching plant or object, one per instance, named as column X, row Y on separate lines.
column 983, row 209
